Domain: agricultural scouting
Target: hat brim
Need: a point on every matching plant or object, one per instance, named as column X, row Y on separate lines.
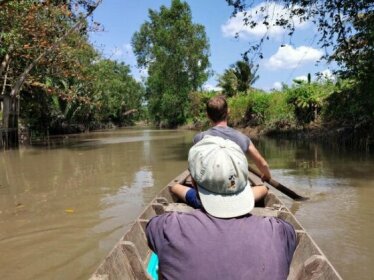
column 227, row 206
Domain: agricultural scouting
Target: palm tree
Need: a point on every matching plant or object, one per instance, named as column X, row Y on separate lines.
column 245, row 73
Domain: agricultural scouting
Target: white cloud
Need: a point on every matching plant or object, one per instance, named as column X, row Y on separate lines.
column 301, row 78
column 288, row 57
column 327, row 75
column 236, row 24
column 277, row 86
column 210, row 87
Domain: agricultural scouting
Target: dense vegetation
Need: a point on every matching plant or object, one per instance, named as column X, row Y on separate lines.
column 61, row 81
column 292, row 107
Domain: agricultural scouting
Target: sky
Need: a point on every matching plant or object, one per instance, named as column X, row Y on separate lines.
column 284, row 59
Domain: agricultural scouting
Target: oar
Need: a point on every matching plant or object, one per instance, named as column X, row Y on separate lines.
column 279, row 186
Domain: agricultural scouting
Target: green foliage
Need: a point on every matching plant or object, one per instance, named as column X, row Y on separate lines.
column 246, row 74
column 301, row 103
column 355, row 54
column 71, row 88
column 238, row 78
column 308, row 99
column 351, row 104
column 259, row 104
column 228, row 82
column 117, row 95
column 197, row 108
column 175, row 51
column 249, row 109
column 238, row 109
column 279, row 114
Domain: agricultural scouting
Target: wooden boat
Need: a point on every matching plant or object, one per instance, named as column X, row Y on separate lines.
column 131, row 258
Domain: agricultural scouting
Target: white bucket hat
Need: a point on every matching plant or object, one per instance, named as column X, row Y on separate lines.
column 220, row 169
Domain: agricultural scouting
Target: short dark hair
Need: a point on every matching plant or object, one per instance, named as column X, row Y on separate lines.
column 216, row 108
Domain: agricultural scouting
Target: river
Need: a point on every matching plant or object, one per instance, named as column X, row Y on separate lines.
column 64, row 206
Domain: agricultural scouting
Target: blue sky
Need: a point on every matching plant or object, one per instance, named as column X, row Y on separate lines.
column 281, row 64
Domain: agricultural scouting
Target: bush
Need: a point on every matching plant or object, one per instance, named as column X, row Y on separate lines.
column 196, row 113
column 351, row 103
column 258, row 105
column 308, row 99
column 279, row 113
column 238, row 105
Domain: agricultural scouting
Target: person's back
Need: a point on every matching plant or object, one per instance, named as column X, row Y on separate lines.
column 226, row 132
column 199, row 246
column 221, row 241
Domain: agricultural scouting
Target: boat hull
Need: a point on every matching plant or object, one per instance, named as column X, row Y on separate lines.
column 130, row 257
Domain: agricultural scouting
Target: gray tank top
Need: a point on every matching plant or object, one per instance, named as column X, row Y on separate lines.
column 226, row 132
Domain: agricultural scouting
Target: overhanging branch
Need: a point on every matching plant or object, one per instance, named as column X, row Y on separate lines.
column 20, row 81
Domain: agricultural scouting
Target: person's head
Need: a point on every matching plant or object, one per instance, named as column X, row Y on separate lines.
column 220, row 170
column 217, row 109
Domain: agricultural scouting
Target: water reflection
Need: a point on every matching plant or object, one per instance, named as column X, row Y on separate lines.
column 341, row 187
column 70, row 204
column 104, row 179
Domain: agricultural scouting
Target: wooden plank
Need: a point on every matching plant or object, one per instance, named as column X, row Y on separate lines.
column 288, row 217
column 148, row 213
column 135, row 261
column 178, row 207
column 136, row 235
column 309, row 262
column 115, row 266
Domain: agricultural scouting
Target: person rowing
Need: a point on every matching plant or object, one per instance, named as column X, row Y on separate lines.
column 217, row 112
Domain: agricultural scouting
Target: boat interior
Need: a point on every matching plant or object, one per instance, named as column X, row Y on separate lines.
column 130, row 257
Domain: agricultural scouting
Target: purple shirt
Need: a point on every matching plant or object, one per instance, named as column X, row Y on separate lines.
column 198, row 246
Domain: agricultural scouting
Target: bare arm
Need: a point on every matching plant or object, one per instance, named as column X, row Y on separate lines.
column 260, row 162
column 180, row 191
column 259, row 192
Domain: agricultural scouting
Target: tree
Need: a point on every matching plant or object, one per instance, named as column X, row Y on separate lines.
column 175, row 52
column 117, row 94
column 40, row 45
column 246, row 77
column 239, row 77
column 228, row 82
column 344, row 25
column 34, row 32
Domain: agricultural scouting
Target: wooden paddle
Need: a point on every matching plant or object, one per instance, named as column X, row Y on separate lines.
column 279, row 186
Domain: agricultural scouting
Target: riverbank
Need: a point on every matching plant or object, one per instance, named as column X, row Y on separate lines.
column 359, row 137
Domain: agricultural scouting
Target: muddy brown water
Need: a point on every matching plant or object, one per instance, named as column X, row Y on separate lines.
column 64, row 206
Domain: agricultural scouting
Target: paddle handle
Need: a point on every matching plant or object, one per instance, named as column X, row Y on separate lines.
column 290, row 193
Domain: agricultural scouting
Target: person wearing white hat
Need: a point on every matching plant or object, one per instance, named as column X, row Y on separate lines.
column 217, row 111
column 222, row 240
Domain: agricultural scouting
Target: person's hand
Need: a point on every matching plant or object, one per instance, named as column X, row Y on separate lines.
column 265, row 177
